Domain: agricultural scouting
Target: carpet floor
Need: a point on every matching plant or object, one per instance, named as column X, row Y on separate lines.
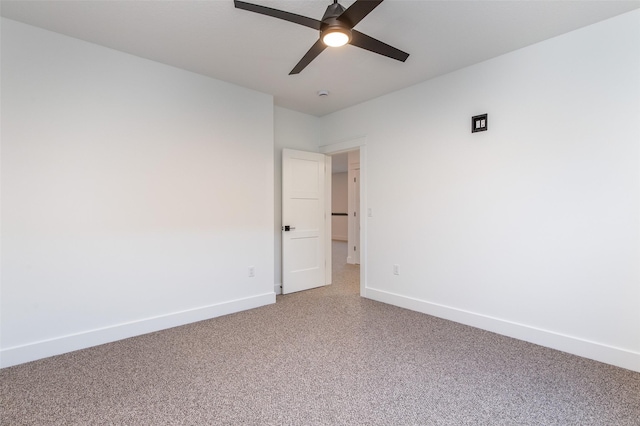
column 320, row 357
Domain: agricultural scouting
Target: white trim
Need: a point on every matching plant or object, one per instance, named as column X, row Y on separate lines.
column 363, row 222
column 328, row 276
column 73, row 342
column 573, row 345
column 348, row 145
column 277, row 289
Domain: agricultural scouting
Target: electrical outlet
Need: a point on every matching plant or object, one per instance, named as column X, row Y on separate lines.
column 252, row 271
column 396, row 269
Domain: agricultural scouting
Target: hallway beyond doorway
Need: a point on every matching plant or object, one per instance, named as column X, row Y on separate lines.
column 345, row 277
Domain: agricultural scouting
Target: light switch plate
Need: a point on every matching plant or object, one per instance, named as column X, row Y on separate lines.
column 479, row 123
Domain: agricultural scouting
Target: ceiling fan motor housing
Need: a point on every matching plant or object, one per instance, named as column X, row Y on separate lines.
column 331, row 23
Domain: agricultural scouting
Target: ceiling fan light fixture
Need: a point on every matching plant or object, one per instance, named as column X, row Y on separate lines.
column 335, row 28
column 336, row 36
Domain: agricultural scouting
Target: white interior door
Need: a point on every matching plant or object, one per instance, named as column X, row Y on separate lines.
column 356, row 216
column 306, row 229
column 353, row 241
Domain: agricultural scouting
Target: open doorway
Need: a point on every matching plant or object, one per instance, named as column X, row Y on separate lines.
column 345, row 219
column 297, row 190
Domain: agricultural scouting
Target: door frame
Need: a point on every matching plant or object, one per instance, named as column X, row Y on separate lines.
column 351, row 145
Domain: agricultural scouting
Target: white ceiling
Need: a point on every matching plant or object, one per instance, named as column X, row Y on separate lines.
column 213, row 38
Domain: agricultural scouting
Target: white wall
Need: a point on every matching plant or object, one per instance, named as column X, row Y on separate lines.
column 134, row 195
column 293, row 130
column 339, row 204
column 531, row 229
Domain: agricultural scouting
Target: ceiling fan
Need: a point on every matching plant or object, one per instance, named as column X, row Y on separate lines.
column 336, row 29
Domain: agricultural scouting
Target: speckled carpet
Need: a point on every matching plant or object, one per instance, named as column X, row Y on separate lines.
column 320, row 357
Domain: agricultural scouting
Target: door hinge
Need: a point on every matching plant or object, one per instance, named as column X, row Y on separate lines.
column 354, row 179
column 354, row 214
column 354, row 248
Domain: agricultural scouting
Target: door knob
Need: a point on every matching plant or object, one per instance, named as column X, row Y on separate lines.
column 288, row 228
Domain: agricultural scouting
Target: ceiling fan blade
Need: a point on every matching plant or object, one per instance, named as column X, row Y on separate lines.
column 363, row 41
column 315, row 50
column 357, row 11
column 280, row 14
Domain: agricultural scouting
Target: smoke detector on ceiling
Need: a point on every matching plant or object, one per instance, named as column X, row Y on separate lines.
column 323, row 93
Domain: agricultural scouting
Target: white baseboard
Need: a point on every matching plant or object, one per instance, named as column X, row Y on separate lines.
column 59, row 345
column 573, row 345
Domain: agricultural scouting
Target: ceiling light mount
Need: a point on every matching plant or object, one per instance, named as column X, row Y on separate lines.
column 323, row 93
